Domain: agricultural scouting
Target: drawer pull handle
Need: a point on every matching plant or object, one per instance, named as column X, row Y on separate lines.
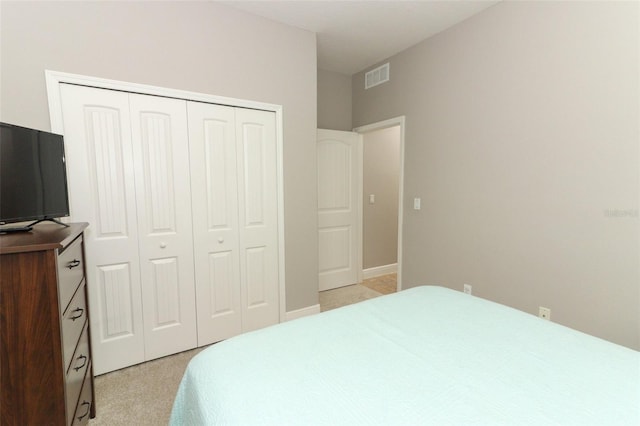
column 75, row 317
column 73, row 263
column 84, row 362
column 88, row 405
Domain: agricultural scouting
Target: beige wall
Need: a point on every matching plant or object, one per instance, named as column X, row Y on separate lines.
column 381, row 164
column 522, row 141
column 195, row 46
column 334, row 101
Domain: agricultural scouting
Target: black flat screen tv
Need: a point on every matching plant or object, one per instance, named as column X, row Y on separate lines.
column 33, row 178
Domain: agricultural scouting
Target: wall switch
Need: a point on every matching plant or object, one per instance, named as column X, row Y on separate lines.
column 467, row 288
column 544, row 313
column 416, row 203
column 372, row 198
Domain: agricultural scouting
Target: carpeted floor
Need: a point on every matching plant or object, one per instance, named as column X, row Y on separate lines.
column 343, row 296
column 385, row 284
column 143, row 394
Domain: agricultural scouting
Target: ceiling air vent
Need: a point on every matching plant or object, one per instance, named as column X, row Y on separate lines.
column 376, row 76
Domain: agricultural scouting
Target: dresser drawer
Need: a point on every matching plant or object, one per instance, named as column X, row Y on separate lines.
column 77, row 372
column 70, row 272
column 72, row 323
column 83, row 410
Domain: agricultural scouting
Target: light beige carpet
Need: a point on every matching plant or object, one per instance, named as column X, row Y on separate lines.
column 385, row 284
column 143, row 394
column 343, row 296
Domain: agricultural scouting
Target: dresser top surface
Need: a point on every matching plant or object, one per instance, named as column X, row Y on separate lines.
column 44, row 236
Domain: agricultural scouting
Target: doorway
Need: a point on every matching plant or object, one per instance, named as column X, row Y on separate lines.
column 383, row 171
column 381, row 160
column 341, row 203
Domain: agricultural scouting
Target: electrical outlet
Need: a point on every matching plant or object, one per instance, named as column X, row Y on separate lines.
column 467, row 288
column 544, row 313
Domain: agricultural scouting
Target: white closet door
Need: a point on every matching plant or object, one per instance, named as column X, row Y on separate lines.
column 258, row 217
column 161, row 164
column 102, row 192
column 215, row 221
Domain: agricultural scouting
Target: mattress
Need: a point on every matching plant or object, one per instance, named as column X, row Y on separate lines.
column 424, row 356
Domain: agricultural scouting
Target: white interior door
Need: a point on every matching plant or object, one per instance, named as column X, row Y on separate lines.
column 339, row 209
column 102, row 192
column 163, row 194
column 212, row 143
column 258, row 217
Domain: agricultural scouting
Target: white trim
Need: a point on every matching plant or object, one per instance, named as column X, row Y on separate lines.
column 378, row 271
column 55, row 78
column 396, row 121
column 359, row 195
column 304, row 312
column 281, row 240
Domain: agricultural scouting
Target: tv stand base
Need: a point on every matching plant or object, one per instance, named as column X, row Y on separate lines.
column 29, row 227
column 47, row 220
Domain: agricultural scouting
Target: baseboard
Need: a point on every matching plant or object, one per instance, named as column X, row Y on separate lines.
column 299, row 313
column 379, row 270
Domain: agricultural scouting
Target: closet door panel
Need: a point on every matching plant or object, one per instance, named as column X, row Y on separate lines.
column 215, row 221
column 257, row 201
column 102, row 192
column 161, row 162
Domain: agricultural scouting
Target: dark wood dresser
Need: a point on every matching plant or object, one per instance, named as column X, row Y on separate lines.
column 46, row 375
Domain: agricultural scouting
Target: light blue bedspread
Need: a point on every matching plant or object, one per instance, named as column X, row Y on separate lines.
column 424, row 356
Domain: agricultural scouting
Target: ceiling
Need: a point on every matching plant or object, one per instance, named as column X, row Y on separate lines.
column 353, row 35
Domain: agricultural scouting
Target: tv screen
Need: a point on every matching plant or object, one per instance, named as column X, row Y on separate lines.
column 33, row 179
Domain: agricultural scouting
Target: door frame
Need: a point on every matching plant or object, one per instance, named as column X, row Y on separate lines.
column 380, row 125
column 55, row 78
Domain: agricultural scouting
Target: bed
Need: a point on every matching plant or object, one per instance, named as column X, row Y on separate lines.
column 424, row 356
